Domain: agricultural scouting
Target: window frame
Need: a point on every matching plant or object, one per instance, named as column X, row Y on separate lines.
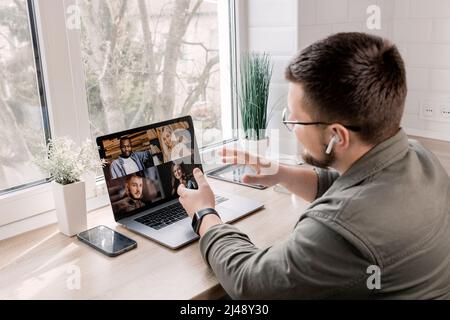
column 66, row 107
column 41, row 90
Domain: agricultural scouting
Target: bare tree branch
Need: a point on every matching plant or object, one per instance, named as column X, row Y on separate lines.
column 150, row 94
column 21, row 6
column 101, row 24
column 199, row 44
column 193, row 12
column 202, row 83
column 172, row 54
column 178, row 27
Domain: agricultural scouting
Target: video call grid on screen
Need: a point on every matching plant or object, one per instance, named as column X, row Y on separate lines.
column 145, row 165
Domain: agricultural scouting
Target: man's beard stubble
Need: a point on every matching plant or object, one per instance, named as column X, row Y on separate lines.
column 324, row 163
column 134, row 198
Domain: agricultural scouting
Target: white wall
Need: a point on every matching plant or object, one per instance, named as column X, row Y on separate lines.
column 272, row 27
column 420, row 29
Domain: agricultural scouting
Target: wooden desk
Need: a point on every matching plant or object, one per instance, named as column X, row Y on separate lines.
column 40, row 264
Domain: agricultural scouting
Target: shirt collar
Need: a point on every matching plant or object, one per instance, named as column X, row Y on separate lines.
column 122, row 159
column 378, row 158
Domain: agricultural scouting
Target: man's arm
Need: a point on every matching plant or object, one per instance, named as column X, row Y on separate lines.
column 304, row 182
column 115, row 170
column 307, row 183
column 300, row 181
column 314, row 262
column 145, row 157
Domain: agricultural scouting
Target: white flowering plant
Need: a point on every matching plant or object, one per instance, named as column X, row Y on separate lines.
column 65, row 162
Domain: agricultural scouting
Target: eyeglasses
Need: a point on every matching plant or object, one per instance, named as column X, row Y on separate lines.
column 290, row 125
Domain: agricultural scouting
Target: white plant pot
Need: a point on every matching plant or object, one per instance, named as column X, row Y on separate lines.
column 256, row 147
column 70, row 204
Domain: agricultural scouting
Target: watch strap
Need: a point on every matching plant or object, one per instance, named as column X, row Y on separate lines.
column 198, row 217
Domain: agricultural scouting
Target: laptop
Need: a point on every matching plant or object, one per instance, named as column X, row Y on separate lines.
column 145, row 166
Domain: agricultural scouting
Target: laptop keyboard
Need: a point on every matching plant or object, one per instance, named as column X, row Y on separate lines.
column 220, row 199
column 164, row 216
column 168, row 215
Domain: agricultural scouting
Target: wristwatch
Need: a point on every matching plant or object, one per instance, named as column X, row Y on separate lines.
column 198, row 217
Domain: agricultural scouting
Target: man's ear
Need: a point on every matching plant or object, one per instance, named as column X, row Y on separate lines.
column 331, row 144
column 342, row 140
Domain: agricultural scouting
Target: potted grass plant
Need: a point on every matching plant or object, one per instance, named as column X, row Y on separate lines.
column 253, row 94
column 65, row 164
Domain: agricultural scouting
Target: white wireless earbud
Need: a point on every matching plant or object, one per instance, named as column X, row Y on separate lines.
column 331, row 144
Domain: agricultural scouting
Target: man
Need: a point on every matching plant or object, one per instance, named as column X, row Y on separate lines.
column 129, row 161
column 384, row 211
column 133, row 190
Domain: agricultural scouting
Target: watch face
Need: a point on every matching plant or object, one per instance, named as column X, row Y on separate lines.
column 198, row 217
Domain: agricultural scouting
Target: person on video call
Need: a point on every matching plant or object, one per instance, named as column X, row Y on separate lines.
column 134, row 186
column 179, row 176
column 173, row 147
column 379, row 203
column 129, row 161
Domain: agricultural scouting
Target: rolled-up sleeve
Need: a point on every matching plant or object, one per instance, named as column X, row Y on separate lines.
column 325, row 180
column 314, row 262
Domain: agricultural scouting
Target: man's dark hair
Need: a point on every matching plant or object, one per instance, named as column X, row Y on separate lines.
column 134, row 175
column 123, row 139
column 354, row 79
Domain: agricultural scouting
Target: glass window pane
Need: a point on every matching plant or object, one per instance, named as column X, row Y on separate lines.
column 146, row 61
column 21, row 113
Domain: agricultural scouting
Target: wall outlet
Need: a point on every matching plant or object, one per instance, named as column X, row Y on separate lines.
column 444, row 112
column 427, row 109
column 435, row 110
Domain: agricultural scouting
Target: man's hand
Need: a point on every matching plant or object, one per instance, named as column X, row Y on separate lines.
column 195, row 200
column 267, row 171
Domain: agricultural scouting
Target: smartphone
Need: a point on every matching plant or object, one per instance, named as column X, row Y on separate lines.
column 107, row 240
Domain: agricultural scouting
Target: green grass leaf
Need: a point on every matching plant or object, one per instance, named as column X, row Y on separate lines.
column 255, row 75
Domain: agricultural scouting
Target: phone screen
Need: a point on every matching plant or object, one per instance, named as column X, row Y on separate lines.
column 107, row 240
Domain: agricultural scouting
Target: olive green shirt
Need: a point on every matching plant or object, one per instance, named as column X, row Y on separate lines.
column 390, row 210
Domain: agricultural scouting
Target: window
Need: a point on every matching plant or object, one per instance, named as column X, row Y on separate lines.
column 23, row 115
column 99, row 78
column 147, row 61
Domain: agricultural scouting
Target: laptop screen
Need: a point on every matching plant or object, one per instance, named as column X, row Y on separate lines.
column 145, row 166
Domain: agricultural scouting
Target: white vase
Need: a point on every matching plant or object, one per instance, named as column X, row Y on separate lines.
column 70, row 204
column 256, row 147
